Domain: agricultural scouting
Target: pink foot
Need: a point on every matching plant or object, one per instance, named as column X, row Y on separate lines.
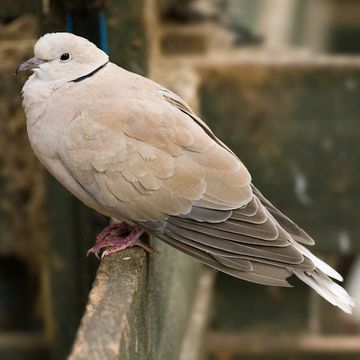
column 113, row 229
column 117, row 237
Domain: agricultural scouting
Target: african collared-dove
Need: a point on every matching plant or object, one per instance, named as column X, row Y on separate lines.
column 134, row 151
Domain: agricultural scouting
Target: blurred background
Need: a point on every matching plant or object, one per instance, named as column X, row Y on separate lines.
column 278, row 81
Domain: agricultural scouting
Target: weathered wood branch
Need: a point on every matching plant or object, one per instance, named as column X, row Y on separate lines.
column 144, row 306
column 108, row 329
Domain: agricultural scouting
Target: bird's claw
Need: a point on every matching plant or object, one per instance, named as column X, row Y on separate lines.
column 111, row 241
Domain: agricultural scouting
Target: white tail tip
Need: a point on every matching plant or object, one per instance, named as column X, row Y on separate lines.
column 328, row 289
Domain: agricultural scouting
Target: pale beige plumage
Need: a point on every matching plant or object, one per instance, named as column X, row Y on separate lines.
column 133, row 150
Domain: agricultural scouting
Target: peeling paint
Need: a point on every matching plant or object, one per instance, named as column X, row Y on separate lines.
column 301, row 186
column 351, row 84
column 327, row 144
column 344, row 242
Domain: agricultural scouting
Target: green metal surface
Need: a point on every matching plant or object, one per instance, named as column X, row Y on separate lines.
column 172, row 282
column 127, row 38
column 71, row 234
column 244, row 306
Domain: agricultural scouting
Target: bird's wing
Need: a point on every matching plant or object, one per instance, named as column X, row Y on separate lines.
column 157, row 164
column 147, row 160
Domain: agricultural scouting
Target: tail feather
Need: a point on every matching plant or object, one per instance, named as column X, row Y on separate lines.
column 320, row 264
column 327, row 288
column 320, row 280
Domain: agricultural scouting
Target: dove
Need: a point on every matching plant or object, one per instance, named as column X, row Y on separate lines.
column 136, row 152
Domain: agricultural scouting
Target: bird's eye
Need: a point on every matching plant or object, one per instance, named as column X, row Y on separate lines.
column 65, row 57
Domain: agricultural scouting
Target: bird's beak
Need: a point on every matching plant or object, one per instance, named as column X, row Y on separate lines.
column 32, row 63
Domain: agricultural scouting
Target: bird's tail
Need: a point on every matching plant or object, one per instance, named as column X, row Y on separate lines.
column 320, row 280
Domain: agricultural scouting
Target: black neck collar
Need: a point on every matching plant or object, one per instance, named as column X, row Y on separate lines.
column 90, row 73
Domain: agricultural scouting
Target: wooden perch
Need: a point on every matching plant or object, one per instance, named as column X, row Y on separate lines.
column 108, row 328
column 145, row 306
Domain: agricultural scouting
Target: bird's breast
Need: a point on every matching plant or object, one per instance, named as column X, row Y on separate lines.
column 46, row 118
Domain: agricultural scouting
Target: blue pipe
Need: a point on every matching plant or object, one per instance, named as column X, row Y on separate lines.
column 69, row 23
column 103, row 31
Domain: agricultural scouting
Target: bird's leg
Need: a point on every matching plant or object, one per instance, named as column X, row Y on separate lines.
column 116, row 237
column 113, row 229
column 122, row 242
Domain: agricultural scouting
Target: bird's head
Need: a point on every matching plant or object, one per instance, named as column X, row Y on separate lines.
column 64, row 57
